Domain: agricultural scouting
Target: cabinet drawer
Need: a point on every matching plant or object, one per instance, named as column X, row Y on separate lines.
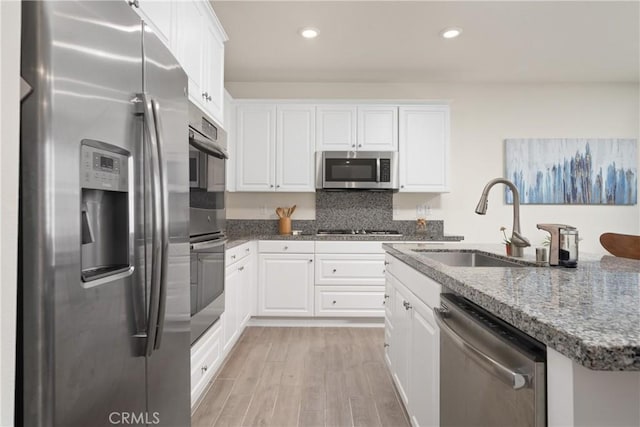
column 349, row 269
column 286, row 246
column 206, row 356
column 237, row 253
column 347, row 301
column 358, row 247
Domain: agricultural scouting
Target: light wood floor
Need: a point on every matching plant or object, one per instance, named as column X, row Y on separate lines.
column 304, row 377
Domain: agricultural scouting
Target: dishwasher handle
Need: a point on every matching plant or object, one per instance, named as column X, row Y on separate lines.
column 513, row 379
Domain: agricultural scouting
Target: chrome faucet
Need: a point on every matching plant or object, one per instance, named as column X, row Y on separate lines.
column 518, row 241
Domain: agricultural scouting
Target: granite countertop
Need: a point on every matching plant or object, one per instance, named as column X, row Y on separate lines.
column 235, row 240
column 590, row 314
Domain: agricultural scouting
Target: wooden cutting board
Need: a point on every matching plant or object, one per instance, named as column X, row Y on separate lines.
column 622, row 245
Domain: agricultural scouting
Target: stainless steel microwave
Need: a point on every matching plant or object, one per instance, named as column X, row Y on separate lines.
column 358, row 170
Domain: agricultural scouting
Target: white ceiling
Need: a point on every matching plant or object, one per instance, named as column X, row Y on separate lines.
column 398, row 41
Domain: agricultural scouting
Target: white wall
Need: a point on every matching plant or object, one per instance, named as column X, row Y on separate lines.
column 9, row 145
column 482, row 117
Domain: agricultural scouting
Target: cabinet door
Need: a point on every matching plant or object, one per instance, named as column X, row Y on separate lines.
column 400, row 341
column 230, row 316
column 424, row 366
column 285, row 285
column 295, row 148
column 336, row 129
column 424, row 146
column 213, row 67
column 246, row 290
column 190, row 35
column 377, row 128
column 255, row 147
column 159, row 14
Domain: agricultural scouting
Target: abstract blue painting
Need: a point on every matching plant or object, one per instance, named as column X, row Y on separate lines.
column 573, row 171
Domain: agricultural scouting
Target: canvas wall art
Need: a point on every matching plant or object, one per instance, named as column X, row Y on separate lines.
column 573, row 171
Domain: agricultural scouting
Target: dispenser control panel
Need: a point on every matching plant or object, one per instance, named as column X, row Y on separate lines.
column 103, row 170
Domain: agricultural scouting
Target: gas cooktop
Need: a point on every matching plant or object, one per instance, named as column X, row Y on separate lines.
column 359, row 232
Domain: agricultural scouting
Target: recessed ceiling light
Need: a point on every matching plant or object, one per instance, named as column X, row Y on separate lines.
column 451, row 33
column 309, row 33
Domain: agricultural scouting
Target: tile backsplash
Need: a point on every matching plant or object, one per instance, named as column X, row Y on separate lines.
column 354, row 209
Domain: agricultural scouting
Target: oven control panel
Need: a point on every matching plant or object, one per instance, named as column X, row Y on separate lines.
column 103, row 170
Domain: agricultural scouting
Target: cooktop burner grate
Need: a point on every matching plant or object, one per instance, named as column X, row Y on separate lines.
column 359, row 232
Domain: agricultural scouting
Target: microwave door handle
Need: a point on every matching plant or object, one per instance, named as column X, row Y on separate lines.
column 156, row 221
column 378, row 169
column 209, row 147
column 164, row 255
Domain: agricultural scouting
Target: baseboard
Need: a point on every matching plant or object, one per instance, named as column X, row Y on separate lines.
column 355, row 322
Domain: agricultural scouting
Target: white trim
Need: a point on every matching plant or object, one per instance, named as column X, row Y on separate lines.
column 314, row 322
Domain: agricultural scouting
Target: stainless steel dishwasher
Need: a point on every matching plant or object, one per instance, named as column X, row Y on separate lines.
column 491, row 374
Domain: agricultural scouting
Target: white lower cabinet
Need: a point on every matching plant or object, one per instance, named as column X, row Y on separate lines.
column 413, row 352
column 206, row 358
column 349, row 301
column 285, row 283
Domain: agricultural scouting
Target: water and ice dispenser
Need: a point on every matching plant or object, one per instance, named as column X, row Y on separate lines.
column 104, row 210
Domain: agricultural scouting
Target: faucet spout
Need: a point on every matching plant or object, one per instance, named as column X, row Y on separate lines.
column 518, row 241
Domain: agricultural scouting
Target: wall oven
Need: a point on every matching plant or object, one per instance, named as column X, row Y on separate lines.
column 491, row 374
column 207, row 220
column 368, row 170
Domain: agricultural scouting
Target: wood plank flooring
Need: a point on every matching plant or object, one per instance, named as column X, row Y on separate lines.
column 305, row 377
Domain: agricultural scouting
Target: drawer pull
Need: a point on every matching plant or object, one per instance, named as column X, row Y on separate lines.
column 286, row 247
column 247, row 250
column 386, row 345
column 334, row 302
column 334, row 271
column 406, row 304
column 387, row 263
column 233, row 257
column 384, row 271
column 241, row 268
column 310, row 260
column 204, row 368
column 386, row 296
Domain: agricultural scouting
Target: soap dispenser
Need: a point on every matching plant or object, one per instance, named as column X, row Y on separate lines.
column 564, row 244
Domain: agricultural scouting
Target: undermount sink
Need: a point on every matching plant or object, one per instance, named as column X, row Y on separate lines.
column 468, row 259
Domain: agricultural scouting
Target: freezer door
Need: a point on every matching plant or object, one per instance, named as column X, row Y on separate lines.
column 168, row 365
column 82, row 356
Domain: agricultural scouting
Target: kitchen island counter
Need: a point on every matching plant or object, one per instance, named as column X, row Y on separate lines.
column 590, row 314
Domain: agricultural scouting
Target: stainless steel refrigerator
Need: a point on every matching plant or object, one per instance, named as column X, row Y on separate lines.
column 104, row 256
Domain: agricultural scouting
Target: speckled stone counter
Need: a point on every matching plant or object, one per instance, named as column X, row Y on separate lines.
column 590, row 314
column 236, row 240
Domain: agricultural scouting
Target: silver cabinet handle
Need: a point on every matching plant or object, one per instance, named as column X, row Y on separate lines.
column 387, row 263
column 271, row 186
column 310, row 260
column 278, row 186
column 402, row 186
column 233, row 257
column 386, row 296
column 334, row 271
column 209, row 98
column 513, row 379
column 386, row 345
column 406, row 304
column 134, row 3
column 241, row 268
column 334, row 301
column 247, row 250
column 204, row 95
column 286, row 247
column 359, row 145
column 384, row 271
column 204, row 368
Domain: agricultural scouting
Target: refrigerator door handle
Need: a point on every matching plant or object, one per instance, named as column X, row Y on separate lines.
column 156, row 224
column 162, row 301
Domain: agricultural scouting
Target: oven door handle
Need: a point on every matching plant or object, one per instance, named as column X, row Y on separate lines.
column 209, row 147
column 208, row 244
column 513, row 379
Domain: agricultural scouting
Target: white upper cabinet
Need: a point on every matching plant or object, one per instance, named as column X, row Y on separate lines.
column 275, row 147
column 199, row 46
column 377, row 128
column 159, row 14
column 336, row 127
column 295, row 148
column 255, row 147
column 357, row 128
column 424, row 148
